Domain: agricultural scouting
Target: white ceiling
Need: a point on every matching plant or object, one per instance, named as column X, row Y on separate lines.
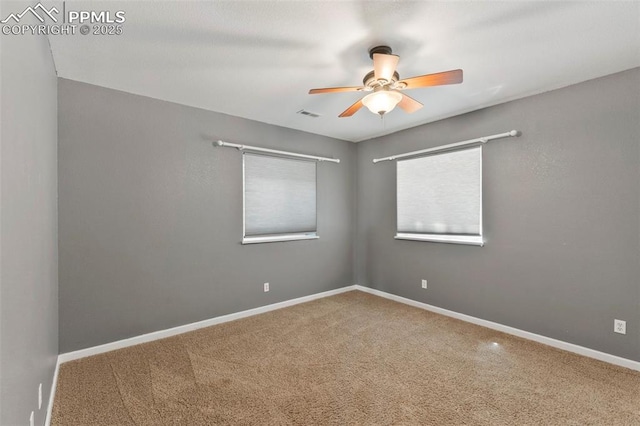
column 258, row 59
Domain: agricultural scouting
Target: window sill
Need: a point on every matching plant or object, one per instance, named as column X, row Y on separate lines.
column 279, row 238
column 449, row 239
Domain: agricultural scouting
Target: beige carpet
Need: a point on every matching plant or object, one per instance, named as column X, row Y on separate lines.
column 350, row 359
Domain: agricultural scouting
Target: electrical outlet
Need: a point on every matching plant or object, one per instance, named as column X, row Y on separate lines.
column 620, row 326
column 40, row 397
column 424, row 284
column 32, row 419
column 266, row 287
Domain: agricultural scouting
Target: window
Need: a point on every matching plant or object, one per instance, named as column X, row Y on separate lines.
column 440, row 197
column 279, row 199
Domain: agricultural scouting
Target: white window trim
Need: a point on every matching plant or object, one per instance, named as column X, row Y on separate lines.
column 473, row 240
column 277, row 238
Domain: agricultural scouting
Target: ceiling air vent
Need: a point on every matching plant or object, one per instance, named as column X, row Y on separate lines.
column 308, row 113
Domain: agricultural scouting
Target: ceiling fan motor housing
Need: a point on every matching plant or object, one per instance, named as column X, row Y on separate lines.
column 369, row 81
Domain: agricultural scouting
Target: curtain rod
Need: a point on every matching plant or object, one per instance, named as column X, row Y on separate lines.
column 481, row 140
column 275, row 151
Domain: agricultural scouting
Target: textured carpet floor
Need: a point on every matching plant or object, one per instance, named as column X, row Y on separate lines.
column 350, row 359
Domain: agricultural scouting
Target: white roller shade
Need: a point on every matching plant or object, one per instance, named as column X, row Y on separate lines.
column 279, row 195
column 441, row 195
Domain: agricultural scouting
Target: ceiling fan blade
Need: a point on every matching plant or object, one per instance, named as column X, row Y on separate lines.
column 437, row 79
column 352, row 109
column 384, row 66
column 408, row 104
column 334, row 90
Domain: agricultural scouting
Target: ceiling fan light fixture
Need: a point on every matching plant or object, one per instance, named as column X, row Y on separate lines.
column 384, row 81
column 382, row 101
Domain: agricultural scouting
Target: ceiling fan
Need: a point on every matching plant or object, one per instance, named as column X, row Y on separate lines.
column 384, row 81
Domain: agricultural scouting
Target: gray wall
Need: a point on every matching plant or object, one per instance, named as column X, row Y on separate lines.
column 28, row 225
column 561, row 217
column 151, row 217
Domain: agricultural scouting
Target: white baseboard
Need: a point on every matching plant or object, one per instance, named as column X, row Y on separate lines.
column 107, row 347
column 570, row 347
column 52, row 393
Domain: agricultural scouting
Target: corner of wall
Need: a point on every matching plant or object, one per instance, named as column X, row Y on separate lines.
column 28, row 241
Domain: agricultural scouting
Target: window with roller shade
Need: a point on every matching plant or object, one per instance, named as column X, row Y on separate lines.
column 279, row 199
column 440, row 197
